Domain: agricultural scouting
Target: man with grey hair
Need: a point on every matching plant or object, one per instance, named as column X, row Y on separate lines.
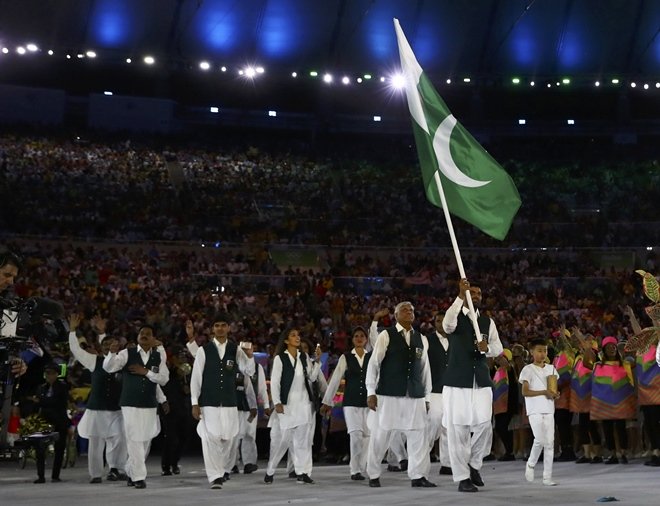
column 398, row 390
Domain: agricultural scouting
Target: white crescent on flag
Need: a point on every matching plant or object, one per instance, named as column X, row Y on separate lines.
column 446, row 164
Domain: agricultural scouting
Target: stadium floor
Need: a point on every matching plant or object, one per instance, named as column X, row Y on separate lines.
column 633, row 484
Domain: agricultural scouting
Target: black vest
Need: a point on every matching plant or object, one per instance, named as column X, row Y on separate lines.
column 241, row 395
column 438, row 359
column 219, row 376
column 355, row 390
column 136, row 390
column 401, row 368
column 106, row 389
column 288, row 373
column 466, row 362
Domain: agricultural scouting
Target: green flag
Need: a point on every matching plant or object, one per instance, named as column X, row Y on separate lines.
column 476, row 187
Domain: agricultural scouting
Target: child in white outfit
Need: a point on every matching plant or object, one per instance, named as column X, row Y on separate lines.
column 540, row 404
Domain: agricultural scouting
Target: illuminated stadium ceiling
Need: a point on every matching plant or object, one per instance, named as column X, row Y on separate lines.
column 489, row 42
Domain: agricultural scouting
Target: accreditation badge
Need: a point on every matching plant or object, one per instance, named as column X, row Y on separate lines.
column 230, row 365
column 418, row 353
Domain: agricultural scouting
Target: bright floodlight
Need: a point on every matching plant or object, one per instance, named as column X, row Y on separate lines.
column 515, row 80
column 359, row 79
column 214, row 110
column 272, row 114
column 80, row 55
column 32, row 48
column 91, row 54
column 566, row 80
column 260, row 70
column 107, row 93
column 313, row 73
column 570, row 122
column 367, row 76
column 20, row 50
column 633, row 85
column 532, row 83
column 223, row 69
column 345, row 80
column 294, row 74
column 597, row 84
column 646, row 86
column 68, row 57
column 398, row 81
column 204, row 65
column 377, row 118
column 5, row 50
column 448, row 81
column 327, row 78
column 657, row 85
column 615, row 81
column 466, row 79
column 382, row 79
column 149, row 60
column 522, row 121
column 250, row 72
column 128, row 60
column 51, row 52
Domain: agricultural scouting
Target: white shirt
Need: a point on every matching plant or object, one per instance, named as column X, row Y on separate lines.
column 337, row 376
column 377, row 356
column 450, row 322
column 537, row 379
column 298, row 407
column 114, row 362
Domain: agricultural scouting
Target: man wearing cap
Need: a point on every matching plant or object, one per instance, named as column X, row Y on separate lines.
column 468, row 388
column 143, row 369
column 398, row 388
column 213, row 395
column 102, row 422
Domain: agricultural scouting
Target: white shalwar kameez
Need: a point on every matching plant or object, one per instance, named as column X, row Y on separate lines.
column 398, row 413
column 141, row 425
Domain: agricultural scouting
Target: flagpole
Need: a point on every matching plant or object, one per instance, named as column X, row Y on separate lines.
column 457, row 253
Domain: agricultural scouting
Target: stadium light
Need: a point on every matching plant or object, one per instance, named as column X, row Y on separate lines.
column 522, row 121
column 149, row 60
column 91, row 54
column 345, row 80
column 272, row 114
column 294, row 74
column 128, row 60
column 398, row 81
column 204, row 65
column 515, row 80
column 615, row 81
column 570, row 122
column 20, row 50
column 32, row 47
column 214, row 110
column 223, row 69
column 377, row 118
column 327, row 78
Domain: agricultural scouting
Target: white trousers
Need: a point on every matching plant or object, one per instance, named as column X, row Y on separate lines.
column 359, row 451
column 138, row 451
column 245, row 440
column 397, row 448
column 216, row 457
column 298, row 439
column 543, row 428
column 115, row 454
column 435, row 429
column 468, row 445
column 418, row 453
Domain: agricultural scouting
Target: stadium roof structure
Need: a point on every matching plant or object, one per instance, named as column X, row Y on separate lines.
column 341, row 55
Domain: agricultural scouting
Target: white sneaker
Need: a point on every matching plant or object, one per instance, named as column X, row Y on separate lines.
column 549, row 483
column 529, row 472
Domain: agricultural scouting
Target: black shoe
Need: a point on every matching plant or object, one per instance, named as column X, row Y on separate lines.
column 216, row 484
column 475, row 477
column 95, row 480
column 55, row 480
column 421, row 482
column 176, row 469
column 226, row 477
column 303, row 478
column 404, row 465
column 597, row 460
column 567, row 455
column 654, row 462
column 490, row 456
column 393, row 469
column 268, row 478
column 129, row 482
column 357, row 477
column 434, row 458
column 114, row 475
column 166, row 472
column 40, row 480
column 445, row 470
column 293, row 474
column 140, row 484
column 467, row 486
column 250, row 468
column 507, row 457
column 623, row 459
column 375, row 483
column 234, row 470
column 583, row 460
column 612, row 460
